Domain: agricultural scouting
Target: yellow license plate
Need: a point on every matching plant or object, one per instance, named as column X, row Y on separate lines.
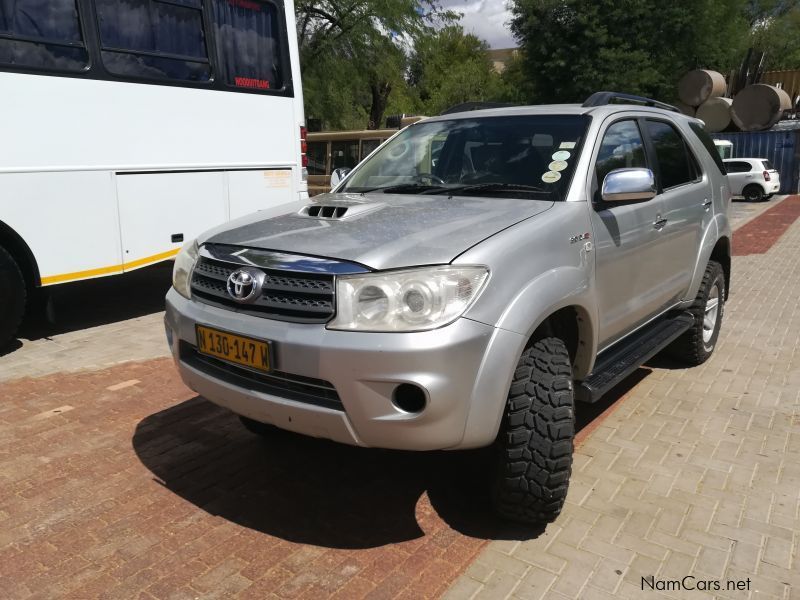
column 233, row 348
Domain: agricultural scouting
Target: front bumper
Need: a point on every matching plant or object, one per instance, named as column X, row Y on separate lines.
column 465, row 370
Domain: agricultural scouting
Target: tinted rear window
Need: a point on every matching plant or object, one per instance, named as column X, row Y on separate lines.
column 767, row 165
column 737, row 166
column 708, row 144
column 247, row 40
column 41, row 34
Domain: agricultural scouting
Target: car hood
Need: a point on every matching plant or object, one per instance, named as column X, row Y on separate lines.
column 380, row 231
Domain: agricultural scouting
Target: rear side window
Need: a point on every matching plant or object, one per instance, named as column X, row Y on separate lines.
column 247, row 43
column 154, row 39
column 42, row 34
column 344, row 154
column 709, row 145
column 622, row 148
column 675, row 163
column 316, row 152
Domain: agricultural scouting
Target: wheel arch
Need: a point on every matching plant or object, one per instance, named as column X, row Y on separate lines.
column 756, row 184
column 573, row 326
column 22, row 254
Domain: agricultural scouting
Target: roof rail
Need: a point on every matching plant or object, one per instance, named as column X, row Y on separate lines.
column 467, row 106
column 604, row 98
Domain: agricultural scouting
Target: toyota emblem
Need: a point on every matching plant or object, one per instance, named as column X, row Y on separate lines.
column 244, row 285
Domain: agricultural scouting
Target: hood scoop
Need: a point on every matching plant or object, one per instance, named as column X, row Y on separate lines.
column 336, row 212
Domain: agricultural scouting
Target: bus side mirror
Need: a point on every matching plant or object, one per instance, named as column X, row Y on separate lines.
column 339, row 175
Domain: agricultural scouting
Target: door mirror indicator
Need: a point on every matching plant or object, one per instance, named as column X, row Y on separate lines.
column 628, row 185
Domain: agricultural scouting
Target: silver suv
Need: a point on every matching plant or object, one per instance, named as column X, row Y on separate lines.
column 466, row 285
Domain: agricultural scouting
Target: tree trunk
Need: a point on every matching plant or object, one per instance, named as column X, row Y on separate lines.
column 380, row 98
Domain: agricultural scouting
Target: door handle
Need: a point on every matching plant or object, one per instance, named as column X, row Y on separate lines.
column 659, row 222
column 707, row 204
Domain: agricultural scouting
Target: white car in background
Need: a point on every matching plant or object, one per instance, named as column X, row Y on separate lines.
column 754, row 178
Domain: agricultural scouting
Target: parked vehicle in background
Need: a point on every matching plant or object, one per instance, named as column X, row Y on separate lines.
column 129, row 127
column 724, row 147
column 332, row 150
column 465, row 285
column 754, row 178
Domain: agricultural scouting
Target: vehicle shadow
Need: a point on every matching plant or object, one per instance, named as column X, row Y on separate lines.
column 313, row 491
column 102, row 301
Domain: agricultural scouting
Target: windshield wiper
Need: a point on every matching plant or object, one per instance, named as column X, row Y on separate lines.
column 403, row 188
column 478, row 188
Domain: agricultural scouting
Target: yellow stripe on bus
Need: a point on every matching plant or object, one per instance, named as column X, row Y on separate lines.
column 109, row 270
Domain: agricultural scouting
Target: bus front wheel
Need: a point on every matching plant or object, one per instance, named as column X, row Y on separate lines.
column 12, row 297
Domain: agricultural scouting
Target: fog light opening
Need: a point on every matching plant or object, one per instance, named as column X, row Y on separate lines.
column 409, row 398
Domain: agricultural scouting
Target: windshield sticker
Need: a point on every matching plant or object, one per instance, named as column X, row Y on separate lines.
column 551, row 176
column 561, row 155
column 567, row 145
column 558, row 165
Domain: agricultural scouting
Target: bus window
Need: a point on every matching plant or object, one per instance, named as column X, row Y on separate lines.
column 41, row 34
column 247, row 43
column 317, row 153
column 153, row 39
column 344, row 154
column 368, row 147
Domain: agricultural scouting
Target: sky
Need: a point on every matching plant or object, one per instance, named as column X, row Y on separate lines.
column 485, row 18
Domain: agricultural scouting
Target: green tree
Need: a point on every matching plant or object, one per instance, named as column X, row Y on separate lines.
column 572, row 48
column 354, row 54
column 778, row 35
column 449, row 67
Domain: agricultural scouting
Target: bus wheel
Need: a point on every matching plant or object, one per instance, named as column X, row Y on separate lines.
column 12, row 297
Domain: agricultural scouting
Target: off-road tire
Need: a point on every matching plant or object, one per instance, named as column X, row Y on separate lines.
column 13, row 295
column 753, row 193
column 257, row 427
column 534, row 447
column 691, row 348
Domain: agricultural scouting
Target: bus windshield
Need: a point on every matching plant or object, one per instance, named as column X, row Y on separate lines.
column 527, row 153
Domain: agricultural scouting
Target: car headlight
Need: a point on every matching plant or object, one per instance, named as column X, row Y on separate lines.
column 413, row 300
column 182, row 272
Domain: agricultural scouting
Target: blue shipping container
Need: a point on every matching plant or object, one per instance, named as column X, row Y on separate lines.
column 781, row 145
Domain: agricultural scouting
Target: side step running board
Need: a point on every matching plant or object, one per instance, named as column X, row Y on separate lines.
column 619, row 361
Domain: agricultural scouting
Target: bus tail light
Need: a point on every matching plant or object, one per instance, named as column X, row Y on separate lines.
column 303, row 148
column 766, row 175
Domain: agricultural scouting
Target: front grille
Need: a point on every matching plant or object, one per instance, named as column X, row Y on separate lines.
column 299, row 388
column 285, row 296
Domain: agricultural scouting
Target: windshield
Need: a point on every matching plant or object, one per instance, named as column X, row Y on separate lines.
column 517, row 156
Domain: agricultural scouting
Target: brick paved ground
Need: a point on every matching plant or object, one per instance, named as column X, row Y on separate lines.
column 695, row 472
column 121, row 483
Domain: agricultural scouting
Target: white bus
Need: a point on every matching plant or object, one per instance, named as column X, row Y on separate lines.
column 129, row 126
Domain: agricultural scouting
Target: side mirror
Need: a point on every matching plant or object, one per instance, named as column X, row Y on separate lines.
column 338, row 175
column 627, row 185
